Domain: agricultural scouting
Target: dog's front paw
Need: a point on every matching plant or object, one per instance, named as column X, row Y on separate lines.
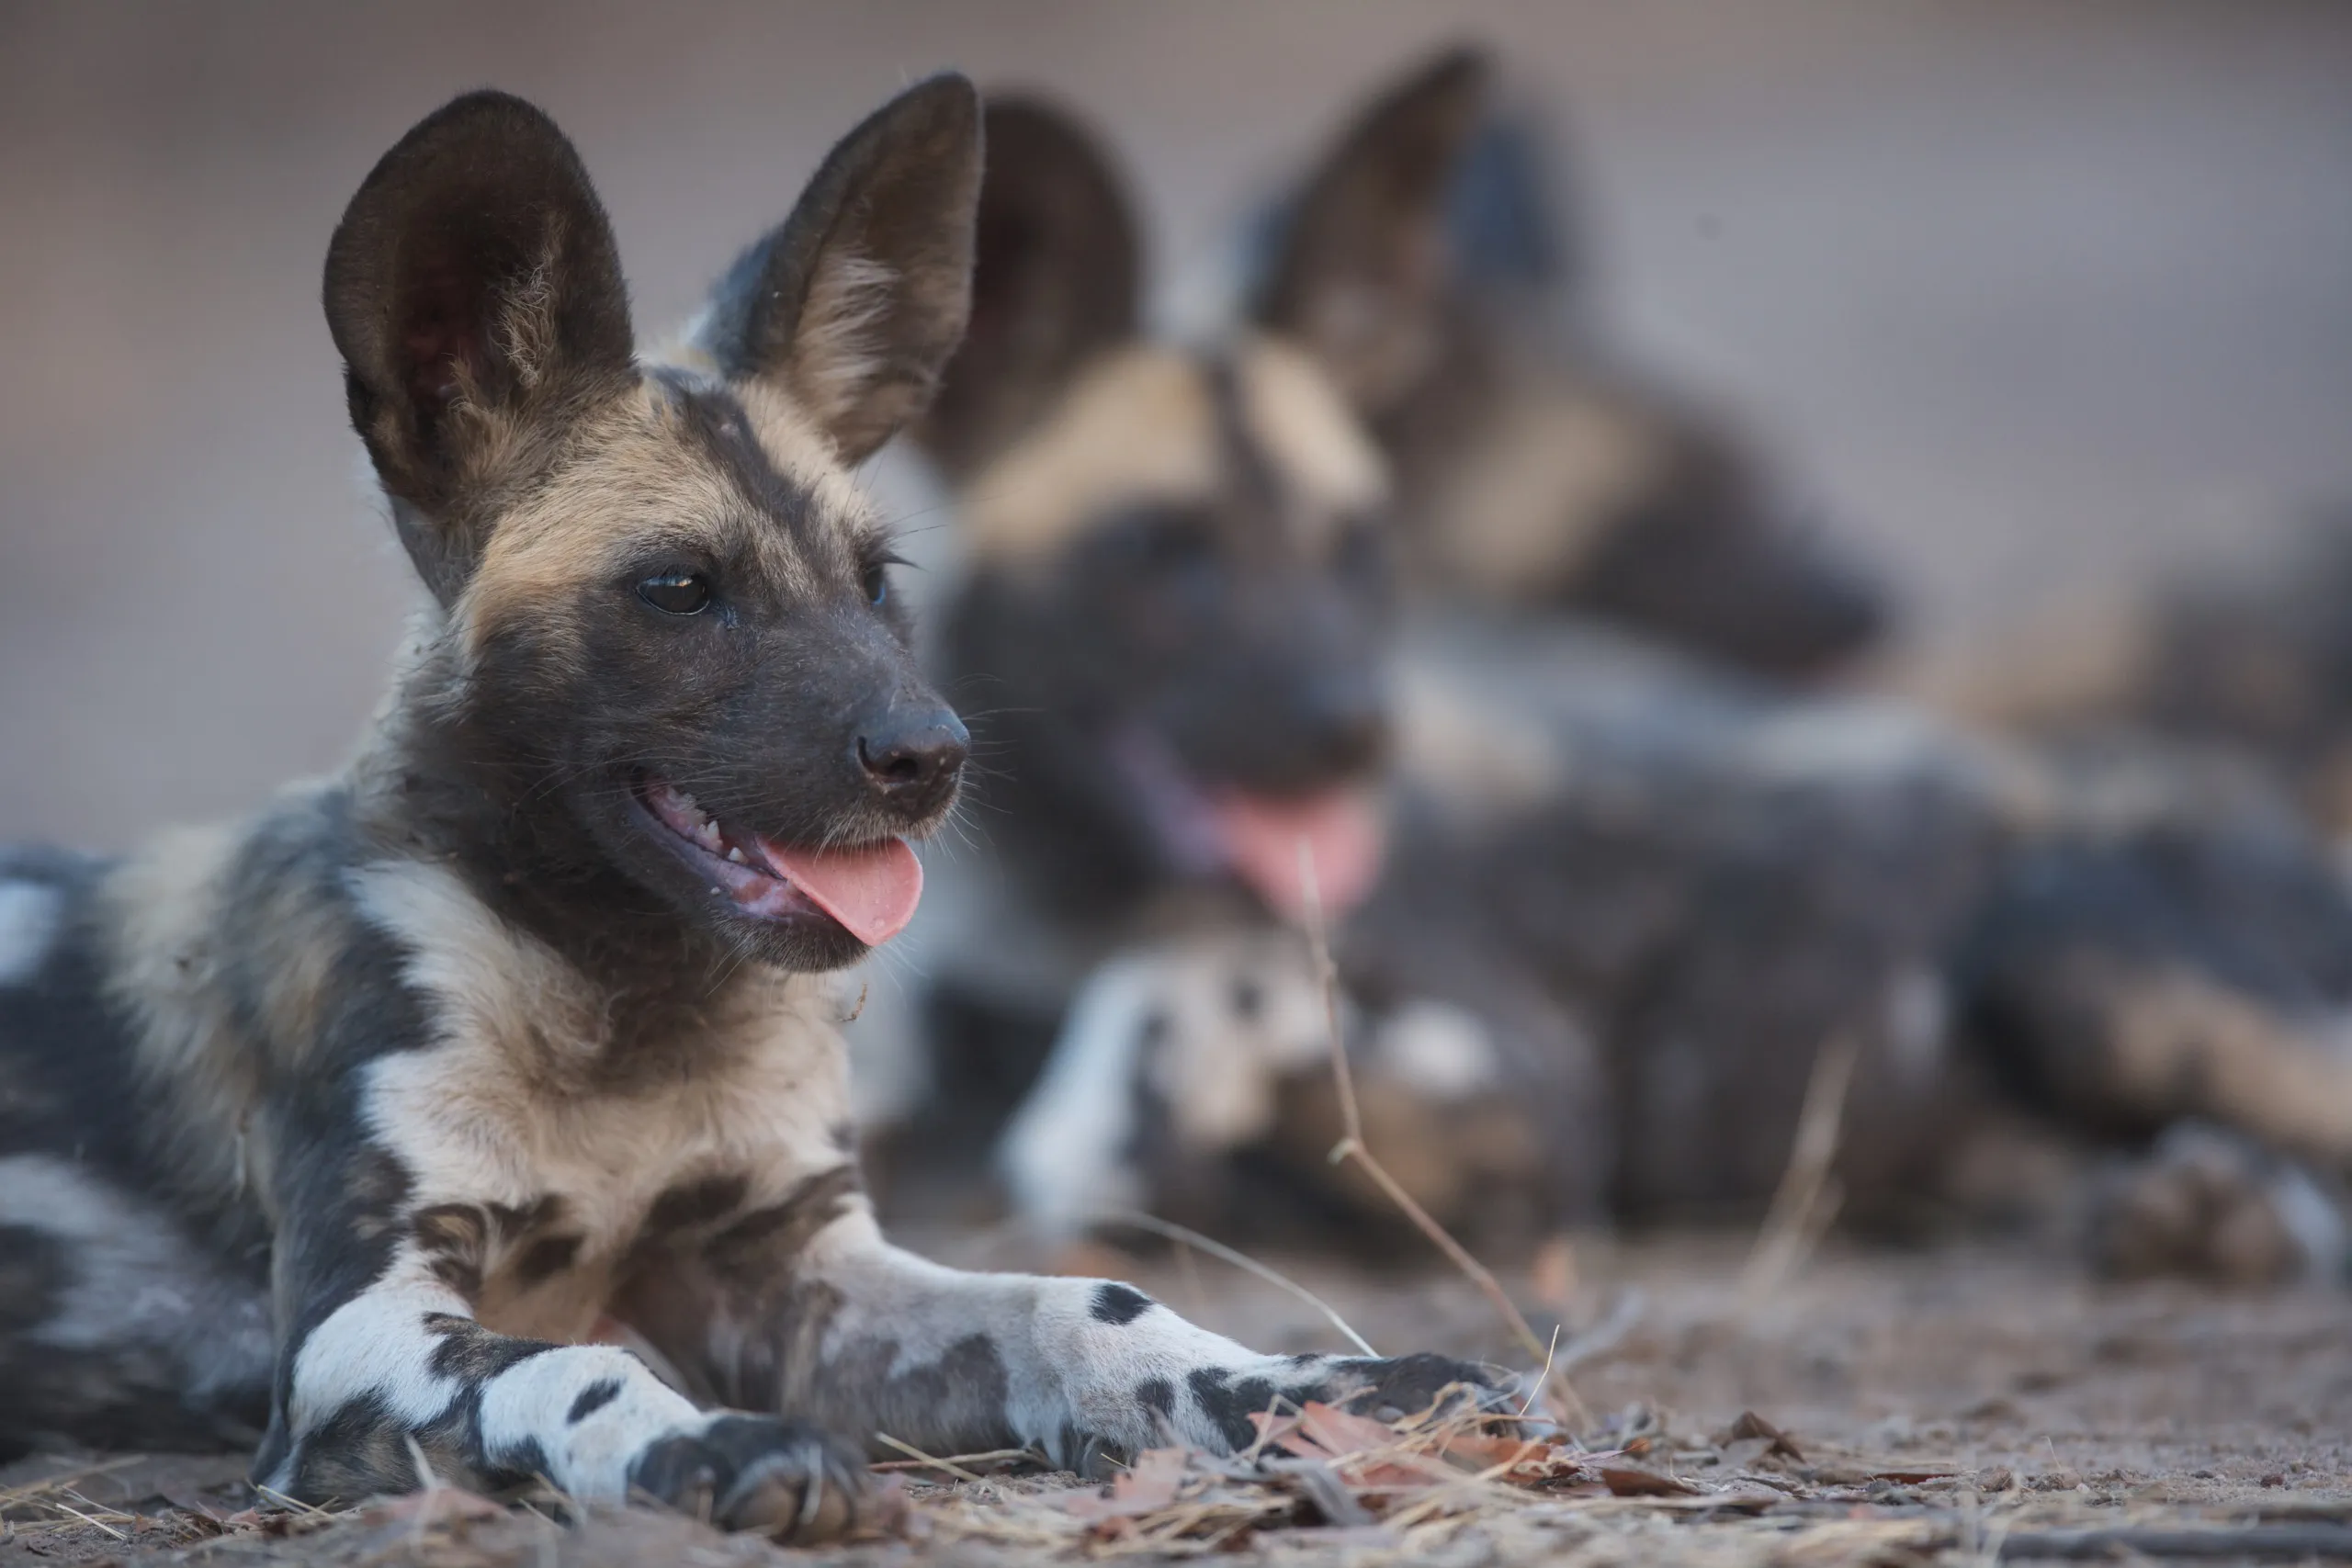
column 783, row 1478
column 2212, row 1204
column 1389, row 1388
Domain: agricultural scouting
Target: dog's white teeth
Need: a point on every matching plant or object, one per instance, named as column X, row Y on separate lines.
column 735, row 855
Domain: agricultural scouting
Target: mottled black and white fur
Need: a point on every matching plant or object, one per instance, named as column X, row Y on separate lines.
column 350, row 1128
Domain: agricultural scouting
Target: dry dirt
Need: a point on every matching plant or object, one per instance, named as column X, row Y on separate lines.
column 1965, row 1405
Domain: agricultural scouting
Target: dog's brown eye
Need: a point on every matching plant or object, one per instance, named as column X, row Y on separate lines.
column 876, row 578
column 676, row 593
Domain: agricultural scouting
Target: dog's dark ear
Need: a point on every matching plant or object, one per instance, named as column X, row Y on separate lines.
column 854, row 304
column 1056, row 280
column 1361, row 271
column 475, row 293
column 1511, row 218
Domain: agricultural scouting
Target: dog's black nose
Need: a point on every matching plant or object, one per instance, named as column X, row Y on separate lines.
column 1344, row 726
column 913, row 759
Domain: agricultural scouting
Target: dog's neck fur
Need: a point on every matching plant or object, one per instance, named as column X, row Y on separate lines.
column 436, row 782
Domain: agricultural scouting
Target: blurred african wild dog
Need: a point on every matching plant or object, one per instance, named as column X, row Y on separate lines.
column 1534, row 469
column 1665, row 887
column 343, row 1129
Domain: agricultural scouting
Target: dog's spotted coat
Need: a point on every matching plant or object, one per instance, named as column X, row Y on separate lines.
column 346, row 1131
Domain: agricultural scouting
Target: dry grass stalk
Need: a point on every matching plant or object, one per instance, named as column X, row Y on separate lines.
column 35, row 1491
column 86, row 1518
column 928, row 1461
column 1185, row 1236
column 1806, row 1199
column 993, row 1456
column 1570, row 1408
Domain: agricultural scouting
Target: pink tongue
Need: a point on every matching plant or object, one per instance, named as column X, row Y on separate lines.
column 873, row 892
column 1340, row 827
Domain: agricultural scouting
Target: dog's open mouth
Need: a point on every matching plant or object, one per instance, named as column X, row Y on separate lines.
column 870, row 890
column 1258, row 838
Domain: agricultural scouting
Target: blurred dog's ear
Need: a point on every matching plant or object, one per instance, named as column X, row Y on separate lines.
column 475, row 294
column 854, row 304
column 1511, row 217
column 1057, row 276
column 1361, row 270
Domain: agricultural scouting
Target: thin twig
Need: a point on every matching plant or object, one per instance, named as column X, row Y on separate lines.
column 912, row 1452
column 1545, row 1375
column 69, row 1509
column 994, row 1456
column 283, row 1500
column 1797, row 1217
column 1352, row 1144
column 1176, row 1233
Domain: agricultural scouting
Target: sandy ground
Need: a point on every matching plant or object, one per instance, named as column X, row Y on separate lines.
column 1965, row 1404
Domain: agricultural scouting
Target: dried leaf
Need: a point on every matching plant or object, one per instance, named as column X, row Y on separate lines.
column 1146, row 1487
column 1751, row 1424
column 1341, row 1434
column 1151, row 1482
column 1633, row 1481
column 1531, row 1462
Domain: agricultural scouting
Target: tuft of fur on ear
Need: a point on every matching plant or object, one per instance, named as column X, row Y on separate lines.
column 854, row 304
column 1361, row 274
column 1056, row 279
column 475, row 293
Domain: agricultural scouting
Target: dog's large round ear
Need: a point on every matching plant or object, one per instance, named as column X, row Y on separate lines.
column 475, row 293
column 1361, row 270
column 1057, row 280
column 854, row 304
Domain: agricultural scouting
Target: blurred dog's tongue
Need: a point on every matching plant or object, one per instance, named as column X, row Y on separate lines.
column 1340, row 827
column 873, row 892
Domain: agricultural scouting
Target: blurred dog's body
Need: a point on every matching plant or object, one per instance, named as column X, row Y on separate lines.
column 1632, row 896
column 2128, row 933
column 2248, row 657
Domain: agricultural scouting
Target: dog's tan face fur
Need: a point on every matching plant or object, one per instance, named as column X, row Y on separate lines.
column 1178, row 593
column 664, row 603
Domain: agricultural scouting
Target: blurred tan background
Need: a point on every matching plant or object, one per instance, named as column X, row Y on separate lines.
column 2040, row 299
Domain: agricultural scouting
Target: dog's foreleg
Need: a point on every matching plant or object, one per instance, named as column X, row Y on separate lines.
column 862, row 1337
column 397, row 1387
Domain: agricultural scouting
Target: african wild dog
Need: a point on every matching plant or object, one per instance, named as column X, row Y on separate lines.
column 1172, row 628
column 352, row 1120
column 1703, row 882
column 1534, row 471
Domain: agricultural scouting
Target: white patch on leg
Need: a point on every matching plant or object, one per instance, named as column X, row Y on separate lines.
column 376, row 1344
column 1438, row 1049
column 1063, row 1156
column 28, row 919
column 1172, row 1021
column 530, row 1404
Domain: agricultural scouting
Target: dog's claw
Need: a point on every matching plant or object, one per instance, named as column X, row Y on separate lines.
column 782, row 1478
